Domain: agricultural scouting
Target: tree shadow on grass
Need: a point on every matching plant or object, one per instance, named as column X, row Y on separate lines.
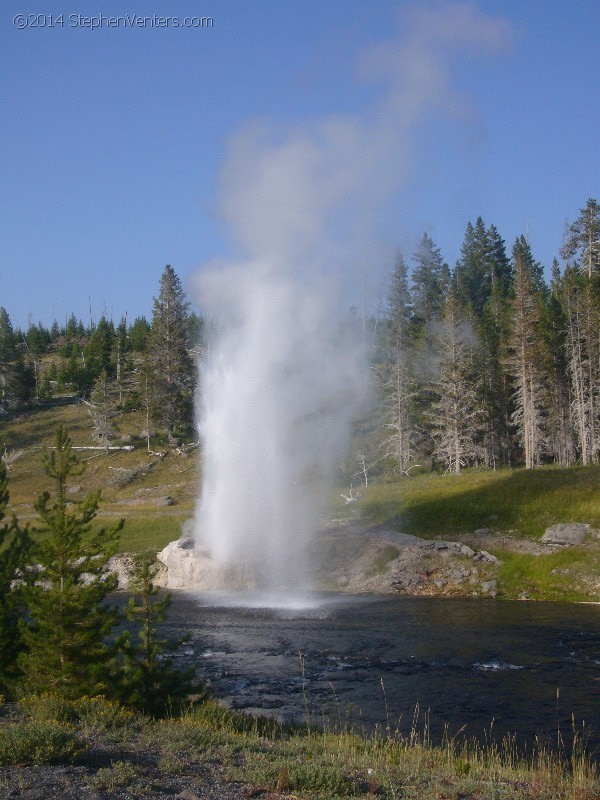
column 523, row 501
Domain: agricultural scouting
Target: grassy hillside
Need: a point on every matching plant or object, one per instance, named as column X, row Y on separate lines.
column 524, row 502
column 155, row 492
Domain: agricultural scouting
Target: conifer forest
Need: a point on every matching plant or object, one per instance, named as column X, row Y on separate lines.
column 494, row 361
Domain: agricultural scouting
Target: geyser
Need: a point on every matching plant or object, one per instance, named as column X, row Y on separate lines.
column 281, row 383
column 284, row 375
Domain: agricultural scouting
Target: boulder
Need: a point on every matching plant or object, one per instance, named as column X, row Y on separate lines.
column 193, row 569
column 567, row 533
column 483, row 555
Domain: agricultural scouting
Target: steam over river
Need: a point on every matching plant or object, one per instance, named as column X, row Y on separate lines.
column 525, row 667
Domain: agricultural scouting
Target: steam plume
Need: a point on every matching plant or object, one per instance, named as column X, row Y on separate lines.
column 284, row 376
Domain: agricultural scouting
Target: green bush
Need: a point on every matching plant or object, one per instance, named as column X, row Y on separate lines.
column 38, row 742
column 217, row 718
column 318, row 779
column 118, row 775
column 47, row 707
column 99, row 715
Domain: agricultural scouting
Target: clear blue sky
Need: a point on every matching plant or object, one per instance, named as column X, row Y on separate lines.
column 113, row 139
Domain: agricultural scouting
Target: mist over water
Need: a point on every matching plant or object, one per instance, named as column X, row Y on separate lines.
column 286, row 372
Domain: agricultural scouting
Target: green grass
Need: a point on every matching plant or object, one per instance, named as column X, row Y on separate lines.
column 555, row 576
column 525, row 501
column 282, row 760
column 145, row 532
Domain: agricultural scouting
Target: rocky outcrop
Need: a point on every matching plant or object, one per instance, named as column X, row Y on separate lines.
column 353, row 561
column 379, row 560
column 565, row 534
column 192, row 568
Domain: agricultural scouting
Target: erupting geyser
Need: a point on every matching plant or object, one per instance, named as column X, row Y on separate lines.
column 280, row 385
column 284, row 375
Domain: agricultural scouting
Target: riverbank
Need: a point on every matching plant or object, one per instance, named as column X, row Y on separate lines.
column 210, row 753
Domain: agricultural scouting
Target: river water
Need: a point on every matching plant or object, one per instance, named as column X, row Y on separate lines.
column 479, row 667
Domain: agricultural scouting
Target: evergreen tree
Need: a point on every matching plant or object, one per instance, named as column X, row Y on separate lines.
column 474, row 270
column 122, row 363
column 456, row 413
column 525, row 356
column 582, row 285
column 483, row 279
column 501, row 273
column 69, row 622
column 171, row 363
column 150, row 682
column 103, row 409
column 98, row 351
column 139, row 333
column 7, row 356
column 13, row 548
column 22, row 384
column 582, row 240
column 582, row 316
column 395, row 369
column 430, row 278
column 561, row 436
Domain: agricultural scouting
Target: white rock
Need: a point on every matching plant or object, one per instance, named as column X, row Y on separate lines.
column 193, row 569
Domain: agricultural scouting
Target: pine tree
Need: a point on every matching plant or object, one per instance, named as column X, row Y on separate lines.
column 582, row 240
column 98, row 351
column 171, row 363
column 474, row 270
column 430, row 278
column 580, row 310
column 395, row 369
column 150, row 682
column 582, row 285
column 456, row 418
column 103, row 409
column 483, row 278
column 524, row 358
column 14, row 544
column 7, row 356
column 560, row 420
column 69, row 621
column 139, row 333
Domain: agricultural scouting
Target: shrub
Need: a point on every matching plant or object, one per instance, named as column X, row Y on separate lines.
column 38, row 742
column 48, row 707
column 99, row 715
column 119, row 774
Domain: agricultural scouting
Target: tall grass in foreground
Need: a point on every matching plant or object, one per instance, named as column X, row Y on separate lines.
column 301, row 761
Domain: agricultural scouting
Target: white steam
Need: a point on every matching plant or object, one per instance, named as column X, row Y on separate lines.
column 284, row 376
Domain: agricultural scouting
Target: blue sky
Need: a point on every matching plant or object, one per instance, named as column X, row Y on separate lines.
column 113, row 140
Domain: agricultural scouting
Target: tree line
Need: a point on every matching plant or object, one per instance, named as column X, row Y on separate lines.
column 487, row 364
column 484, row 364
column 114, row 368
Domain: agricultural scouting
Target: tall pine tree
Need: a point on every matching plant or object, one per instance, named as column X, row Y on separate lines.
column 525, row 356
column 69, row 620
column 395, row 369
column 171, row 364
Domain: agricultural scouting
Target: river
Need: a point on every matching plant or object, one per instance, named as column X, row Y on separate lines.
column 476, row 667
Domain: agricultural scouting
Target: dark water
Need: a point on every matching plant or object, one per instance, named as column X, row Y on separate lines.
column 509, row 667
